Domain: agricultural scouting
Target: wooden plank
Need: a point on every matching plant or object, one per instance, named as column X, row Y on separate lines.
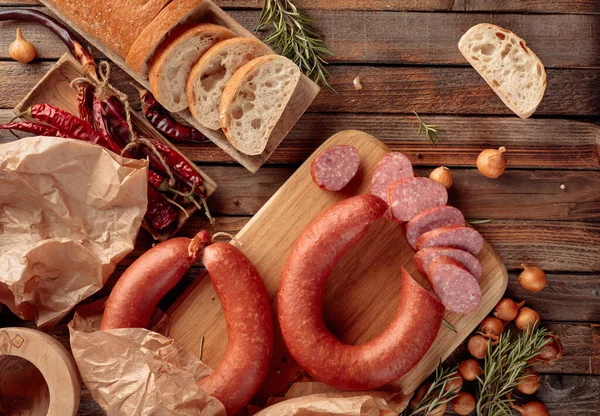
column 571, row 92
column 355, row 39
column 532, row 143
column 524, row 6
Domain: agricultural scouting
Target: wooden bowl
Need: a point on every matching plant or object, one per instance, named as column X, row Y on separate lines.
column 38, row 376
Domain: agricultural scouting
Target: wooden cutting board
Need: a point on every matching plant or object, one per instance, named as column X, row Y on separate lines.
column 363, row 291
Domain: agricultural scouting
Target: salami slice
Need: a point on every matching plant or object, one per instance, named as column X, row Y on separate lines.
column 464, row 238
column 335, row 167
column 455, row 287
column 430, row 220
column 424, row 257
column 391, row 167
column 408, row 197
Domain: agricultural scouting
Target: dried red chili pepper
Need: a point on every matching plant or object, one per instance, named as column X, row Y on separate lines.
column 38, row 129
column 160, row 118
column 159, row 213
column 116, row 144
column 85, row 96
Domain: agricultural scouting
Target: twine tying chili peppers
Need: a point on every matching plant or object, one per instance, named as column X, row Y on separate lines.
column 227, row 235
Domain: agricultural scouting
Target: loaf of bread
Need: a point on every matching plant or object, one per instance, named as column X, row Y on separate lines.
column 170, row 19
column 212, row 72
column 116, row 23
column 507, row 64
column 254, row 100
column 173, row 60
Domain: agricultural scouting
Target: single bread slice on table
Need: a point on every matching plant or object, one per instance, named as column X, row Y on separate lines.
column 507, row 64
column 254, row 100
column 172, row 62
column 169, row 20
column 212, row 72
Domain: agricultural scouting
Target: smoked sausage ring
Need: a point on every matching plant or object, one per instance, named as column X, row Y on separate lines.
column 300, row 306
column 244, row 298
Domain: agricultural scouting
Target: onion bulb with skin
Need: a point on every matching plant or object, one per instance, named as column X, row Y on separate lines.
column 463, row 404
column 469, row 369
column 491, row 328
column 455, row 383
column 527, row 318
column 478, row 346
column 491, row 162
column 21, row 50
column 442, row 175
column 438, row 411
column 529, row 382
column 507, row 309
column 531, row 409
column 532, row 279
column 551, row 352
column 414, row 402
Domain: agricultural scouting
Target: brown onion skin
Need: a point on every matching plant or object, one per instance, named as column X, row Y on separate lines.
column 531, row 409
column 455, row 383
column 478, row 346
column 463, row 404
column 527, row 318
column 551, row 352
column 532, row 278
column 491, row 162
column 492, row 328
column 414, row 402
column 469, row 369
column 529, row 383
column 438, row 411
column 506, row 310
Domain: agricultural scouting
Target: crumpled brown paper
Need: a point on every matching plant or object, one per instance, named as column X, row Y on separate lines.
column 69, row 212
column 137, row 371
column 318, row 399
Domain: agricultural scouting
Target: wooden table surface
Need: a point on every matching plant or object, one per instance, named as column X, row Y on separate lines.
column 406, row 55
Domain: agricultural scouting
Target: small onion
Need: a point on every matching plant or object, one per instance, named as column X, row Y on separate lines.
column 438, row 411
column 491, row 162
column 551, row 352
column 414, row 402
column 529, row 383
column 455, row 383
column 21, row 50
column 527, row 318
column 442, row 175
column 464, row 403
column 357, row 84
column 478, row 346
column 532, row 279
column 531, row 409
column 492, row 328
column 469, row 369
column 506, row 310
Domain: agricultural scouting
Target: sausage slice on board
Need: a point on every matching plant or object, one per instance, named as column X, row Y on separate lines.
column 408, row 197
column 335, row 167
column 464, row 238
column 424, row 256
column 300, row 306
column 392, row 167
column 456, row 288
column 430, row 220
column 246, row 306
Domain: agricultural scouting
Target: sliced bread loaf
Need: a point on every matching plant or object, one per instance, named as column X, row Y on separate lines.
column 171, row 18
column 212, row 72
column 254, row 100
column 507, row 64
column 173, row 60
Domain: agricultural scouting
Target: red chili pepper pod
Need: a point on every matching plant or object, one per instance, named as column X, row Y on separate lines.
column 160, row 213
column 30, row 127
column 85, row 95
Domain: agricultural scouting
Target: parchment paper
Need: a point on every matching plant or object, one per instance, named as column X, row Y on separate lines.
column 69, row 212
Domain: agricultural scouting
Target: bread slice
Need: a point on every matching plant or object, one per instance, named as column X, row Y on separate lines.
column 173, row 60
column 213, row 71
column 116, row 23
column 507, row 64
column 254, row 100
column 172, row 17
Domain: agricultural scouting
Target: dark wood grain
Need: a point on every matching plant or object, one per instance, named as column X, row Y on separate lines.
column 353, row 37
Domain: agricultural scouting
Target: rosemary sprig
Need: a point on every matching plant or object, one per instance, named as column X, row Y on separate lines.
column 292, row 32
column 431, row 131
column 436, row 394
column 504, row 366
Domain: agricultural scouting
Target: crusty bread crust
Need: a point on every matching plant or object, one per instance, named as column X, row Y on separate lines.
column 177, row 13
column 523, row 100
column 230, row 95
column 163, row 54
column 116, row 23
column 253, row 49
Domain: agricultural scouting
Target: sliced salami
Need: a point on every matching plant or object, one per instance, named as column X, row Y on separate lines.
column 408, row 197
column 424, row 257
column 391, row 167
column 430, row 220
column 455, row 287
column 335, row 167
column 464, row 238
